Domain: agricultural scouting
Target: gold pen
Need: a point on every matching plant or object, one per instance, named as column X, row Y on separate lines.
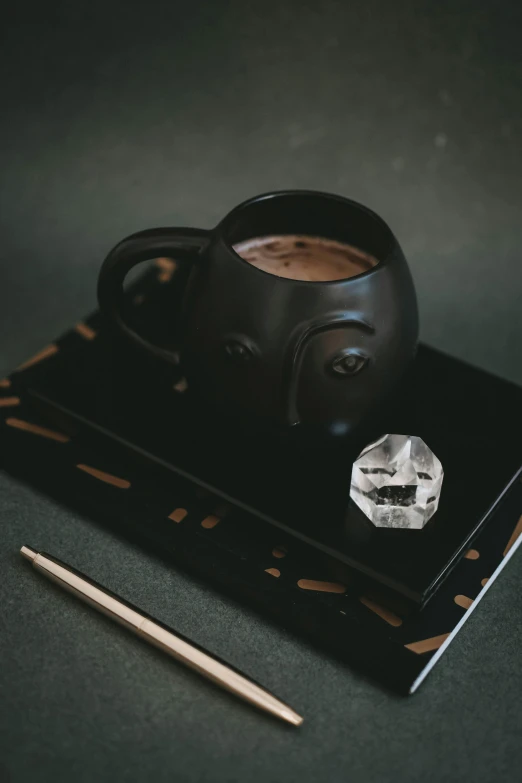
column 158, row 634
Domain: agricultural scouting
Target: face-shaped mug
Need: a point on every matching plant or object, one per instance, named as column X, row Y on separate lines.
column 279, row 350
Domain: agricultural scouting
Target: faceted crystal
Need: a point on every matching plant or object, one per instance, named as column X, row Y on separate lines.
column 396, row 482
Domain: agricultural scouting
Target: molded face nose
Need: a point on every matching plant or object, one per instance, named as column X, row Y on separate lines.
column 345, row 363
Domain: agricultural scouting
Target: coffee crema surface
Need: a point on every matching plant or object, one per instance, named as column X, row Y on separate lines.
column 303, row 257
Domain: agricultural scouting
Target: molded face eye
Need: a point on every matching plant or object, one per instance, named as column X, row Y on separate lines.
column 239, row 350
column 347, row 363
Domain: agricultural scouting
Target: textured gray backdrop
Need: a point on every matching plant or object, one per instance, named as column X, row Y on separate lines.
column 119, row 116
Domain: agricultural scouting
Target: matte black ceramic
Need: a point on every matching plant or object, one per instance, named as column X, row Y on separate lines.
column 279, row 350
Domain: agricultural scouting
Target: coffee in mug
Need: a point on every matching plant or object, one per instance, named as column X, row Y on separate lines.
column 302, row 257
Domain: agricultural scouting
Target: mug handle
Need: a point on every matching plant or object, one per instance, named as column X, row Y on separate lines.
column 181, row 244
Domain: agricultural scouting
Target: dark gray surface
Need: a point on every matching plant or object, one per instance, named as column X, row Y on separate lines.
column 171, row 114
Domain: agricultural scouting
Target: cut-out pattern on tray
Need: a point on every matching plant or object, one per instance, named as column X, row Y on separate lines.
column 107, row 478
column 463, row 601
column 427, row 645
column 178, row 515
column 9, row 402
column 211, row 521
column 516, row 533
column 181, row 386
column 45, row 353
column 36, row 429
column 321, row 587
column 167, row 268
column 85, row 331
column 381, row 611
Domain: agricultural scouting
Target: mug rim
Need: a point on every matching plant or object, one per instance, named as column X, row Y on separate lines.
column 223, row 225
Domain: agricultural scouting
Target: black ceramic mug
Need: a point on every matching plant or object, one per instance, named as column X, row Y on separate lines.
column 280, row 350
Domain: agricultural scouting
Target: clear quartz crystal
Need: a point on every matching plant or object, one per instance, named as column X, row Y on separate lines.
column 396, row 482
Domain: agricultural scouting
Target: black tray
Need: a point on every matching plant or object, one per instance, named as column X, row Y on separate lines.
column 469, row 418
column 82, row 392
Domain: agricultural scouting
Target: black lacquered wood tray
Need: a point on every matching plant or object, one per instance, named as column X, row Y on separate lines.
column 94, row 426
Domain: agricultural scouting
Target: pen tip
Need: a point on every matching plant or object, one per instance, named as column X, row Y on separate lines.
column 28, row 553
column 292, row 717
